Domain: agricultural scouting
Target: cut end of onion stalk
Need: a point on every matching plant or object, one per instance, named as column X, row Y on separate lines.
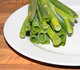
column 42, row 37
column 76, row 16
column 22, row 35
column 70, row 31
column 33, row 39
column 58, row 28
column 57, row 41
column 56, row 25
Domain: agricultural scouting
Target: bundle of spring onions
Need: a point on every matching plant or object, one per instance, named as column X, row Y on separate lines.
column 48, row 20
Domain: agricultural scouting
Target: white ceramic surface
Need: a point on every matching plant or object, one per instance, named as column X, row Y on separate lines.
column 68, row 55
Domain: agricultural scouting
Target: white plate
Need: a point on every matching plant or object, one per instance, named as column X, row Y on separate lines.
column 67, row 55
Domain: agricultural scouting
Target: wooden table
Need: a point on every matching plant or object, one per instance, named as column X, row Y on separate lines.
column 10, row 59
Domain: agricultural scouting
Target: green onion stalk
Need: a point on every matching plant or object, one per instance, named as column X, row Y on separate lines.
column 64, row 8
column 26, row 25
column 69, row 27
column 54, row 37
column 61, row 21
column 35, row 25
column 54, row 20
column 61, row 34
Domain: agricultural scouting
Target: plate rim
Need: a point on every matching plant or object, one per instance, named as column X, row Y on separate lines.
column 30, row 55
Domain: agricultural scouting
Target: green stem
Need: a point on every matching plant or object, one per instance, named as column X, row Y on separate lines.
column 64, row 8
column 35, row 25
column 63, row 15
column 42, row 37
column 43, row 11
column 44, row 24
column 32, row 9
column 55, row 39
column 61, row 34
column 61, row 21
column 25, row 27
column 69, row 27
column 47, row 40
column 72, row 19
column 33, row 37
column 53, row 17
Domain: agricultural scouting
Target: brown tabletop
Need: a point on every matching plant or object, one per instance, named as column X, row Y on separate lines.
column 10, row 59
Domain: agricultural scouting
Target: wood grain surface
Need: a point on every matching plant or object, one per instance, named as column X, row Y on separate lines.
column 10, row 59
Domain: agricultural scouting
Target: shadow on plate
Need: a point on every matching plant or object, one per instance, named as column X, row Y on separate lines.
column 43, row 63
